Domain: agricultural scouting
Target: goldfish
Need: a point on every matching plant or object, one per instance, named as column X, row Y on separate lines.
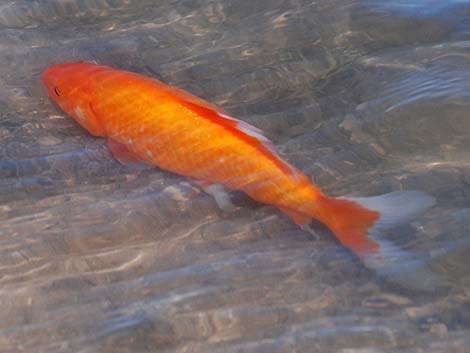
column 145, row 120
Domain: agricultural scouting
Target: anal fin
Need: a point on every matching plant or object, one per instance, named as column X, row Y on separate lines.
column 298, row 218
column 125, row 156
column 302, row 220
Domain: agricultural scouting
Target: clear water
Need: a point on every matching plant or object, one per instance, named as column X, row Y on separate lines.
column 365, row 97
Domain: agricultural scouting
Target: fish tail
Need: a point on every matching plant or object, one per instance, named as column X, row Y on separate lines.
column 358, row 222
column 350, row 222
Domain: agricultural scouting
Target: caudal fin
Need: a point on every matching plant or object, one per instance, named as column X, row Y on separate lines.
column 355, row 221
column 395, row 208
column 359, row 224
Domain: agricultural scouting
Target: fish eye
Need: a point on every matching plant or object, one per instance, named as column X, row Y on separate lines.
column 57, row 92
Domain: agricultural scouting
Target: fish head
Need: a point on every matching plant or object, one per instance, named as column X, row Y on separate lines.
column 68, row 85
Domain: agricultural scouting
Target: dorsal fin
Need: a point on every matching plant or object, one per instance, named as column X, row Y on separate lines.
column 242, row 129
column 251, row 130
column 191, row 101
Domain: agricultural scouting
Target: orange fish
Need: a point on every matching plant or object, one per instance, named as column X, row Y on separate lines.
column 149, row 121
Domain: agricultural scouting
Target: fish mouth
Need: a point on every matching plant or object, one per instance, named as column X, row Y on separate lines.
column 53, row 75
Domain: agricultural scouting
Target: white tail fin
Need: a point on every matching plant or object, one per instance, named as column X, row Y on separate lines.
column 395, row 208
column 392, row 262
column 408, row 269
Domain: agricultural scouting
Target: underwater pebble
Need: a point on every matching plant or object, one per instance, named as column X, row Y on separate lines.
column 4, row 133
column 385, row 300
column 438, row 329
column 49, row 141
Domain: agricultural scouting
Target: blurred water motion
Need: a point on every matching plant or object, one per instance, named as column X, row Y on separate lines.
column 365, row 97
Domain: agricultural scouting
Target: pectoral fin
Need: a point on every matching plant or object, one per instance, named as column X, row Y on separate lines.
column 125, row 156
column 219, row 193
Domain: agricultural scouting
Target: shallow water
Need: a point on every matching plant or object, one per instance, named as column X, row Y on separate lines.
column 365, row 97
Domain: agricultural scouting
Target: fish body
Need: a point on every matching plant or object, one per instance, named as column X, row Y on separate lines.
column 147, row 120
